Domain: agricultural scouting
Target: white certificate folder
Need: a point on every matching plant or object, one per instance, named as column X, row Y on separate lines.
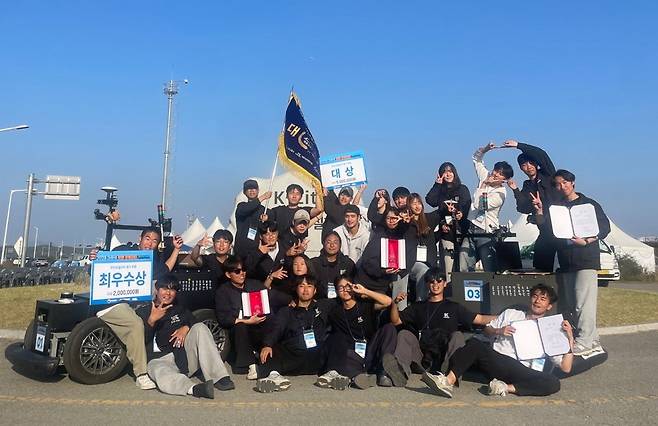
column 577, row 221
column 540, row 338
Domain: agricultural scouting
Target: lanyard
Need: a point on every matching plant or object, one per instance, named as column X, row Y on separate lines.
column 428, row 316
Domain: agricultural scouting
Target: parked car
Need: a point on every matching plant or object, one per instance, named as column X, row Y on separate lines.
column 84, row 260
column 39, row 263
column 609, row 265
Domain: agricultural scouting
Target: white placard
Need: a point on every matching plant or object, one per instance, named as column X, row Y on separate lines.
column 121, row 276
column 343, row 170
column 577, row 221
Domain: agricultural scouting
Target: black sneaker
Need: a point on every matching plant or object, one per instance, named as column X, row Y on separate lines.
column 204, row 390
column 225, row 384
column 394, row 370
column 384, row 381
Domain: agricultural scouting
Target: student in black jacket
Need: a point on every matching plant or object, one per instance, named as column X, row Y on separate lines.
column 267, row 262
column 537, row 165
column 283, row 215
column 579, row 259
column 222, row 242
column 453, row 200
column 295, row 343
column 248, row 214
column 423, row 224
column 246, row 333
column 329, row 265
column 184, row 346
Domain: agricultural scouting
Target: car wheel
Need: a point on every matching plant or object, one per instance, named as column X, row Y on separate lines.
column 207, row 316
column 604, row 283
column 93, row 354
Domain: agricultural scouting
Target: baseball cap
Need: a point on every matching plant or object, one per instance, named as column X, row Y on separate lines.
column 301, row 215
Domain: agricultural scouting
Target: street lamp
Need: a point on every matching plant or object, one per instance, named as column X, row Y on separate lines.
column 36, row 240
column 4, row 239
column 19, row 127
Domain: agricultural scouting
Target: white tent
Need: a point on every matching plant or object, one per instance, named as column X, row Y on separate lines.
column 526, row 234
column 114, row 242
column 194, row 233
column 215, row 226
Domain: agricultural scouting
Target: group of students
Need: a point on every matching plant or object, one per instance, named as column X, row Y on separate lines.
column 352, row 322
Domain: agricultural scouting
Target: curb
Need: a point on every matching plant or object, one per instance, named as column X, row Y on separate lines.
column 605, row 331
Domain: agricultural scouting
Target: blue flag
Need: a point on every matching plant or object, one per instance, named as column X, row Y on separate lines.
column 297, row 148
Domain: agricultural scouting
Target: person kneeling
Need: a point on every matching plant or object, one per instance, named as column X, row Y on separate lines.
column 500, row 363
column 185, row 346
column 295, row 345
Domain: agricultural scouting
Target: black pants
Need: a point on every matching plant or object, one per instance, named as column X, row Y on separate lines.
column 245, row 340
column 545, row 250
column 527, row 381
column 293, row 361
column 342, row 357
column 408, row 352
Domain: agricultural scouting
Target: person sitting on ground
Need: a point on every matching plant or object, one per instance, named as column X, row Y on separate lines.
column 248, row 214
column 295, row 343
column 222, row 241
column 431, row 332
column 329, row 264
column 334, row 206
column 283, row 215
column 245, row 334
column 354, row 233
column 488, row 199
column 499, row 362
column 121, row 318
column 355, row 346
column 184, row 346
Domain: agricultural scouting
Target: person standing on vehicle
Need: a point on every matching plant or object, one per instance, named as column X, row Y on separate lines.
column 183, row 346
column 222, row 242
column 248, row 215
column 121, row 318
column 539, row 168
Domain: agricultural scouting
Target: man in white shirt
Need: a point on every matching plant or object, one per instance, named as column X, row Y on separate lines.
column 499, row 361
column 488, row 199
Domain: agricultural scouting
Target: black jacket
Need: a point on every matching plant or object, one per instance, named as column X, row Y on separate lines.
column 437, row 196
column 370, row 273
column 283, row 216
column 228, row 301
column 428, row 240
column 259, row 265
column 334, row 211
column 576, row 258
column 326, row 272
column 288, row 325
column 247, row 215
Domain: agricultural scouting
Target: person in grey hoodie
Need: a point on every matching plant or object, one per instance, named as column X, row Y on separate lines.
column 354, row 233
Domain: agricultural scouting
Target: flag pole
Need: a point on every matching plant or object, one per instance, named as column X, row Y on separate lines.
column 276, row 157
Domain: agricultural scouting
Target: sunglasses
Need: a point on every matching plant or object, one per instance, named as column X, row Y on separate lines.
column 238, row 271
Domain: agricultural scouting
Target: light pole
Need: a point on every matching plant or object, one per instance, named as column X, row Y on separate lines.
column 4, row 239
column 19, row 127
column 36, row 240
column 170, row 90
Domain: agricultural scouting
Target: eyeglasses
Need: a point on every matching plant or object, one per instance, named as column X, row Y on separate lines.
column 238, row 271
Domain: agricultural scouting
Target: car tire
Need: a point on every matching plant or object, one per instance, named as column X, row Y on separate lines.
column 28, row 339
column 604, row 283
column 93, row 354
column 208, row 317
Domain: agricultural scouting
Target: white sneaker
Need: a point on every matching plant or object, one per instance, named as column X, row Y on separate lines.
column 497, row 387
column 272, row 383
column 252, row 374
column 438, row 383
column 144, row 382
column 333, row 380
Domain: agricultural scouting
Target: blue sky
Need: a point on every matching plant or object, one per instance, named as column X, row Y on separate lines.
column 413, row 84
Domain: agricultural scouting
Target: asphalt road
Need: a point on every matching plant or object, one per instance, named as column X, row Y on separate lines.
column 621, row 391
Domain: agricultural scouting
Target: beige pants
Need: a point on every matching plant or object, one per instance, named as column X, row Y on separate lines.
column 129, row 328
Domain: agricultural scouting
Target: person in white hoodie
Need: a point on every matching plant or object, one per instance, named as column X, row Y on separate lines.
column 488, row 199
column 354, row 233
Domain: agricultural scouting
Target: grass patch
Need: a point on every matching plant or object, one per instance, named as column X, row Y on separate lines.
column 625, row 307
column 18, row 303
column 615, row 306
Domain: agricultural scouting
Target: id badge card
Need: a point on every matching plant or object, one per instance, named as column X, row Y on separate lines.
column 360, row 348
column 448, row 220
column 421, row 254
column 309, row 338
column 537, row 364
column 331, row 291
column 251, row 234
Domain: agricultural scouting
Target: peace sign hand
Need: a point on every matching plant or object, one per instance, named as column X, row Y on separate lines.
column 537, row 203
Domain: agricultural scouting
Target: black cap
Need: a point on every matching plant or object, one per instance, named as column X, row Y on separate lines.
column 400, row 191
column 168, row 281
column 223, row 234
column 249, row 184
